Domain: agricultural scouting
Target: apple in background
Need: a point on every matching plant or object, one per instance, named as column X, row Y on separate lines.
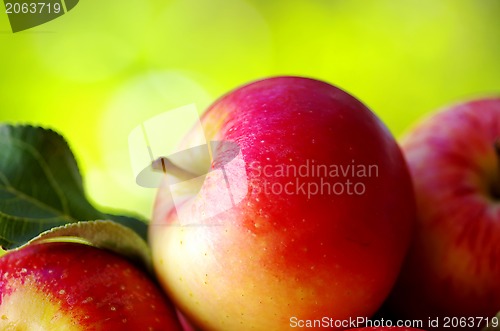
column 283, row 251
column 453, row 268
column 70, row 286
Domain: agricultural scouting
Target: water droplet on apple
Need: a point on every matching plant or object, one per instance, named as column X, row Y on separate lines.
column 87, row 300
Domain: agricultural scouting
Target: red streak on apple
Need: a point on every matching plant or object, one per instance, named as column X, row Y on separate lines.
column 277, row 255
column 69, row 286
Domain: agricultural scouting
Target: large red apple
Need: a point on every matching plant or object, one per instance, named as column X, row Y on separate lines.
column 254, row 247
column 454, row 266
column 69, row 286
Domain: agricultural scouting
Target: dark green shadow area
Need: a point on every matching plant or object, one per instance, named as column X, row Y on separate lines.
column 26, row 14
column 70, row 4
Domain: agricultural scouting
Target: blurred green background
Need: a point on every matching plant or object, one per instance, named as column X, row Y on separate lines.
column 98, row 71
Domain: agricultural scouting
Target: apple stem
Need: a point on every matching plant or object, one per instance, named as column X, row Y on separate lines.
column 168, row 167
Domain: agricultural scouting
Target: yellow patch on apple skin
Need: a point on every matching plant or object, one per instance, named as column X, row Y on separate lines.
column 27, row 308
column 242, row 291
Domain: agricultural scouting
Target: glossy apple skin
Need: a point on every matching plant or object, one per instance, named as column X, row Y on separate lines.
column 70, row 286
column 453, row 268
column 274, row 256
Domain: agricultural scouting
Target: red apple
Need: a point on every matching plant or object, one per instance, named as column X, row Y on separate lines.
column 69, row 286
column 291, row 245
column 453, row 269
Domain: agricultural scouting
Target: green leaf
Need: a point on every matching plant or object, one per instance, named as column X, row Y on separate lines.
column 102, row 234
column 41, row 187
